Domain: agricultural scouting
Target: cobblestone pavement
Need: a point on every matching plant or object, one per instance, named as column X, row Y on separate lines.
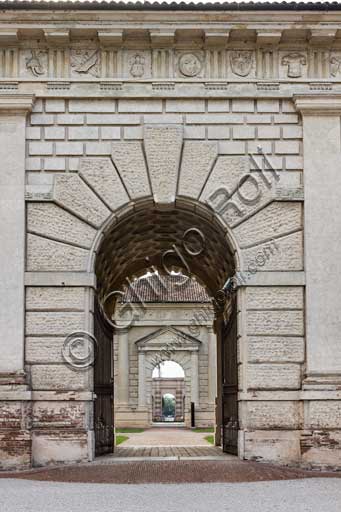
column 165, row 471
column 167, row 436
column 310, row 495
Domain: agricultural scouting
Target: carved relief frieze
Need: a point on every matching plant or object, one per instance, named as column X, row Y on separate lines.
column 82, row 63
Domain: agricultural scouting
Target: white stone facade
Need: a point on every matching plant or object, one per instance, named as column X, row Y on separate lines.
column 115, row 119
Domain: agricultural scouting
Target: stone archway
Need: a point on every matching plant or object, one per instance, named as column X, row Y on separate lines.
column 113, row 212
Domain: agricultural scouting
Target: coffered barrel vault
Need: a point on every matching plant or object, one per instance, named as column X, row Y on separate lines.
column 121, row 128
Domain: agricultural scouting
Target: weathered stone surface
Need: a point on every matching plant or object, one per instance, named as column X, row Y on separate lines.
column 59, row 414
column 51, row 220
column 53, row 323
column 44, row 254
column 197, row 161
column 273, row 376
column 284, row 253
column 324, row 414
column 58, row 377
column 226, row 173
column 101, row 175
column 273, row 415
column 275, row 446
column 275, row 219
column 278, row 323
column 275, row 349
column 163, row 146
column 321, row 448
column 42, row 349
column 72, row 193
column 55, row 298
column 274, row 297
column 129, row 160
column 53, row 446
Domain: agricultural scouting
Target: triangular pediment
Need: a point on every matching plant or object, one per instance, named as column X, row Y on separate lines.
column 168, row 336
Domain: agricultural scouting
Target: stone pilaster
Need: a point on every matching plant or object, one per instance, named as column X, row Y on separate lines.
column 195, row 377
column 15, row 439
column 122, row 395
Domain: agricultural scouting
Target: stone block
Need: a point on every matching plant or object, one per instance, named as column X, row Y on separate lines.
column 61, row 323
column 52, row 221
column 133, row 132
column 69, row 148
column 285, row 253
column 83, row 133
column 163, row 145
column 59, row 446
column 285, row 118
column 273, row 415
column 287, row 147
column 275, row 349
column 41, row 119
column 235, row 147
column 258, row 119
column 241, row 105
column 218, row 118
column 54, row 105
column 54, row 164
column 288, row 107
column 323, row 414
column 293, row 162
column 144, row 105
column 90, row 105
column 265, row 105
column 283, row 322
column 243, row 132
column 274, row 220
column 218, row 132
column 33, row 133
column 102, row 177
column 70, row 191
column 40, row 349
column 48, row 255
column 98, row 148
column 274, row 297
column 292, row 132
column 272, row 446
column 57, row 414
column 194, row 132
column 197, row 161
column 40, row 148
column 185, row 105
column 110, row 132
column 268, row 132
column 217, row 105
column 130, row 162
column 163, row 119
column 33, row 164
column 70, row 119
column 55, row 298
column 110, row 119
column 273, row 376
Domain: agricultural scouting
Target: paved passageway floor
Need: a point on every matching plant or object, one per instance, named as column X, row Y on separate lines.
column 167, row 436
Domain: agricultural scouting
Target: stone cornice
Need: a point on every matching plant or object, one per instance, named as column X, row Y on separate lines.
column 318, row 104
column 14, row 103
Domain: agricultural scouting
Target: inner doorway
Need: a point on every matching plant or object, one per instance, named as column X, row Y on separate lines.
column 151, row 235
column 168, row 393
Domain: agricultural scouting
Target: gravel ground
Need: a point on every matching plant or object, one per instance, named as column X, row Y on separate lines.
column 308, row 495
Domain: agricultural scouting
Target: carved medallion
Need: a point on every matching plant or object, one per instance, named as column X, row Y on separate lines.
column 189, row 64
column 85, row 62
column 137, row 65
column 294, row 63
column 241, row 62
column 36, row 63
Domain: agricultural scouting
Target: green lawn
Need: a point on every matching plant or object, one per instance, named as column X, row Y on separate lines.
column 120, row 439
column 129, row 430
column 203, row 429
column 210, row 439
